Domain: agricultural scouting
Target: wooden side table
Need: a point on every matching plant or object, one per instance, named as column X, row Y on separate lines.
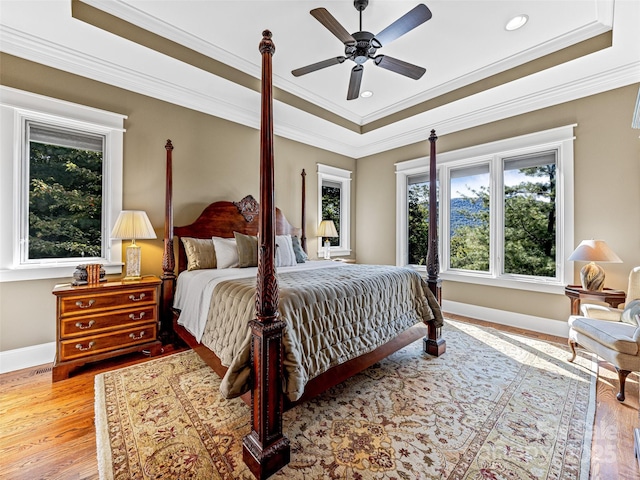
column 95, row 322
column 576, row 293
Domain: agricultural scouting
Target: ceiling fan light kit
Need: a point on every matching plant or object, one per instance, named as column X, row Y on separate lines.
column 362, row 46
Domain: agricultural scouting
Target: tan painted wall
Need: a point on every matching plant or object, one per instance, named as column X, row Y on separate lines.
column 213, row 160
column 607, row 193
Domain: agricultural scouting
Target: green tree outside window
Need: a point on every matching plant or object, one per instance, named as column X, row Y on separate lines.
column 65, row 202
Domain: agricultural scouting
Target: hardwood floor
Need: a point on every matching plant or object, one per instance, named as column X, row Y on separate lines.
column 47, row 429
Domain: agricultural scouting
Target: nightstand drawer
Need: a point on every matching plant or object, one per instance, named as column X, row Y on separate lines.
column 100, row 322
column 85, row 303
column 87, row 346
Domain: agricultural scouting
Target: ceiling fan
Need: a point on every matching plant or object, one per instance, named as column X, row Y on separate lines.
column 361, row 46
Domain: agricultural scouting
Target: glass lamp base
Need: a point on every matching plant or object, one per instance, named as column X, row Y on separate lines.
column 133, row 263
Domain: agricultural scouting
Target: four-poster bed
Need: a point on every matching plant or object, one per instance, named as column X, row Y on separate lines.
column 270, row 340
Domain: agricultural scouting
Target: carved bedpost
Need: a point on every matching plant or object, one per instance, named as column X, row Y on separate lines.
column 168, row 260
column 434, row 344
column 303, row 240
column 266, row 450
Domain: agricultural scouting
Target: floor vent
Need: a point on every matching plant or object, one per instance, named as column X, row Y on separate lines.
column 41, row 371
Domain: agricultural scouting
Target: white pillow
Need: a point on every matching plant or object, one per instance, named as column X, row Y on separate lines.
column 285, row 256
column 226, row 252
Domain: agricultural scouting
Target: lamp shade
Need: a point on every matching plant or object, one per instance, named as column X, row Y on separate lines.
column 592, row 275
column 133, row 224
column 327, row 229
column 594, row 251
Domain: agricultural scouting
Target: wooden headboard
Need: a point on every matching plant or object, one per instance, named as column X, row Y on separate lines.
column 221, row 219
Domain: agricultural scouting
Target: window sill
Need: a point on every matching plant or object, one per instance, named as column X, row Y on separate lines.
column 335, row 252
column 522, row 284
column 40, row 272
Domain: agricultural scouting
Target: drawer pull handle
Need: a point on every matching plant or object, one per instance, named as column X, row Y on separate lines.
column 84, row 326
column 133, row 336
column 134, row 299
column 81, row 304
column 82, row 348
column 132, row 316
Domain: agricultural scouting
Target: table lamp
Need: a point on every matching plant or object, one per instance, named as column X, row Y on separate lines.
column 132, row 224
column 327, row 229
column 592, row 274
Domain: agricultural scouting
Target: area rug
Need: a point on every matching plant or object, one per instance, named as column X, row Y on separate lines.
column 495, row 406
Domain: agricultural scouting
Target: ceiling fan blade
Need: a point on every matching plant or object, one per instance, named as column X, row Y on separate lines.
column 410, row 20
column 398, row 66
column 354, row 83
column 317, row 66
column 328, row 20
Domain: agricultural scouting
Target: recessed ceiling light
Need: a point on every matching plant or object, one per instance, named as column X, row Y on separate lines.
column 366, row 94
column 517, row 22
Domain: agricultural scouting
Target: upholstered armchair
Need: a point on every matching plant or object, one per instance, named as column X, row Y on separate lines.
column 606, row 313
column 611, row 333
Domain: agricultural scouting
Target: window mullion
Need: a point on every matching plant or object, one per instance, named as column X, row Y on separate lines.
column 22, row 211
column 497, row 217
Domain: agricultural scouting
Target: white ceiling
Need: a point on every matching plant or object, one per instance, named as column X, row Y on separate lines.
column 463, row 43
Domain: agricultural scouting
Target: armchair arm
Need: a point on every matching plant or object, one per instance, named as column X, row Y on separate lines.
column 636, row 336
column 600, row 312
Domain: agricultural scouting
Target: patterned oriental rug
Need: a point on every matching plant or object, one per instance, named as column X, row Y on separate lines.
column 495, row 406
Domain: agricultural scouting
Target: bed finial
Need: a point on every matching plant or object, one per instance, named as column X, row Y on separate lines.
column 267, row 45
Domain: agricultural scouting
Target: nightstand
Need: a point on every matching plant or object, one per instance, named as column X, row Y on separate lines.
column 95, row 322
column 576, row 293
column 344, row 260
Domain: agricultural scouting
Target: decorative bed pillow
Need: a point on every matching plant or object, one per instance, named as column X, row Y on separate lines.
column 200, row 253
column 285, row 256
column 247, row 246
column 301, row 256
column 226, row 252
column 631, row 313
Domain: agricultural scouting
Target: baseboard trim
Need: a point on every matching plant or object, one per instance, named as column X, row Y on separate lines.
column 512, row 319
column 27, row 357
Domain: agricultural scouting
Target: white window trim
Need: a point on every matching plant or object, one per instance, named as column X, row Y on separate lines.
column 17, row 106
column 343, row 177
column 560, row 139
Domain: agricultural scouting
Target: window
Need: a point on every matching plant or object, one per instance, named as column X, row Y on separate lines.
column 469, row 213
column 505, row 212
column 63, row 181
column 334, row 203
column 418, row 218
column 66, row 190
column 529, row 195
